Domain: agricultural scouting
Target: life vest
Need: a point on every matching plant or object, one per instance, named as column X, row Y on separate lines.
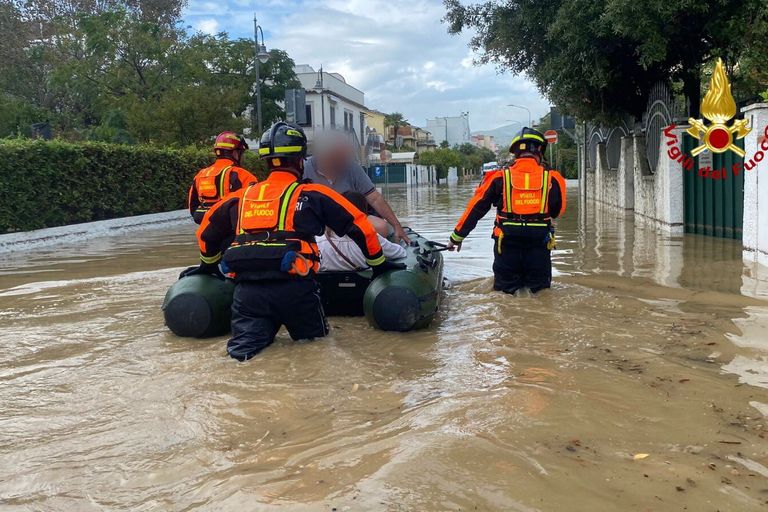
column 525, row 197
column 265, row 239
column 213, row 183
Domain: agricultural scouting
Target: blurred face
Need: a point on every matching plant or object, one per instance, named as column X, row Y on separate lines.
column 334, row 160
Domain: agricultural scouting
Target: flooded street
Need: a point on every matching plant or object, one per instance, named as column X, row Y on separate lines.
column 637, row 383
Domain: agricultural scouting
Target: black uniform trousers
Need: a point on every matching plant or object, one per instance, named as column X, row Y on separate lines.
column 522, row 262
column 261, row 307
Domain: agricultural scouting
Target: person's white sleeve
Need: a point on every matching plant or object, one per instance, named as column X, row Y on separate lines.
column 391, row 250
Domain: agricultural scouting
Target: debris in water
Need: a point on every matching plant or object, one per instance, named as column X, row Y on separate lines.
column 355, row 387
column 640, row 456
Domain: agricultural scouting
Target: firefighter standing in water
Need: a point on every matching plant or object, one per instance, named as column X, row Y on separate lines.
column 223, row 177
column 274, row 255
column 527, row 196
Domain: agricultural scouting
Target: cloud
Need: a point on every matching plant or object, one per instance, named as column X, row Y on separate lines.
column 398, row 52
column 209, row 26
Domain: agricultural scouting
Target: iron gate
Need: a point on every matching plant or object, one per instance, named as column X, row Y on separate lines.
column 714, row 206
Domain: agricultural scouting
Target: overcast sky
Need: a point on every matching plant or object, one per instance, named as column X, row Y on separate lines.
column 396, row 51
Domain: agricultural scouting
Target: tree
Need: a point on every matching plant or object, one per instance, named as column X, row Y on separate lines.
column 598, row 59
column 276, row 75
column 396, row 120
column 116, row 76
column 442, row 159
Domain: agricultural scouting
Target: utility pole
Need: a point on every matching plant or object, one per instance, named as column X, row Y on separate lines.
column 260, row 57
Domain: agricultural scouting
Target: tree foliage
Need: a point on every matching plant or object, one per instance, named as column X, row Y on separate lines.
column 598, row 59
column 117, row 73
column 465, row 156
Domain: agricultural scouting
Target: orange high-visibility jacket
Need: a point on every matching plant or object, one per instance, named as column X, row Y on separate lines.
column 213, row 183
column 526, row 196
column 277, row 217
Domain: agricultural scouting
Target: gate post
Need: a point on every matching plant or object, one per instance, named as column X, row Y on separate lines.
column 755, row 230
column 659, row 194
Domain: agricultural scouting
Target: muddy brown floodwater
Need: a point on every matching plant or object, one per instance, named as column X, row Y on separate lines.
column 637, row 383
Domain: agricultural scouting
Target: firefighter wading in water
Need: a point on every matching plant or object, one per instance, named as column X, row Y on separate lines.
column 213, row 183
column 527, row 197
column 274, row 255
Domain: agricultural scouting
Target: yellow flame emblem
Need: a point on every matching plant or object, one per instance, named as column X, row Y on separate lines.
column 719, row 107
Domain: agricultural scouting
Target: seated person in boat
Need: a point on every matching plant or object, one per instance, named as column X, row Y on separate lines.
column 341, row 253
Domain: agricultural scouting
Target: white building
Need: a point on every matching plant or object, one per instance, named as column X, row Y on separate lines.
column 332, row 104
column 454, row 129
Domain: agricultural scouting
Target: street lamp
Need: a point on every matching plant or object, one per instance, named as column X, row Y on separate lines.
column 319, row 88
column 261, row 57
column 526, row 109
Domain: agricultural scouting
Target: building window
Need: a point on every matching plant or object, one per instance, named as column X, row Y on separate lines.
column 333, row 116
column 349, row 121
column 308, row 107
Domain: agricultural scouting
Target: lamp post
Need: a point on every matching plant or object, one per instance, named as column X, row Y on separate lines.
column 319, row 89
column 527, row 110
column 261, row 57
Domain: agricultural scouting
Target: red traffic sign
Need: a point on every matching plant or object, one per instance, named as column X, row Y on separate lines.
column 551, row 136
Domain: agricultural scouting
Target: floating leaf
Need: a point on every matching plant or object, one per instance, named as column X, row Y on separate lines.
column 640, row 456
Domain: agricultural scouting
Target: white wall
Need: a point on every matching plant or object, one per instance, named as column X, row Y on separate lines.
column 337, row 96
column 755, row 233
column 659, row 197
column 419, row 174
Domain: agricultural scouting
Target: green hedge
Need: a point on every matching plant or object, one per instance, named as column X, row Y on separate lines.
column 54, row 183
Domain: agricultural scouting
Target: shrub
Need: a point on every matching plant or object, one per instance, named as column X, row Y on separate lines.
column 54, row 183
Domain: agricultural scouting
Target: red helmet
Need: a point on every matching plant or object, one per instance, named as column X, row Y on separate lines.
column 230, row 141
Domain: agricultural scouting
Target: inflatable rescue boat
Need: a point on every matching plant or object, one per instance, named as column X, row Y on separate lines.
column 198, row 306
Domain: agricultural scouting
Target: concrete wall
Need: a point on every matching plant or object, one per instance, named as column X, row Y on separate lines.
column 658, row 197
column 608, row 191
column 755, row 234
column 626, row 175
column 420, row 174
column 655, row 198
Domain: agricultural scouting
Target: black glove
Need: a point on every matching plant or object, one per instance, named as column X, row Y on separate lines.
column 386, row 267
column 211, row 269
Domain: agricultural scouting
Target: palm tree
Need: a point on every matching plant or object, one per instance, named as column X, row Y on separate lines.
column 397, row 120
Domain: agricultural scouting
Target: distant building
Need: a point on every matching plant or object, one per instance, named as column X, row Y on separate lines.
column 374, row 136
column 375, row 121
column 410, row 136
column 455, row 129
column 332, row 104
column 485, row 141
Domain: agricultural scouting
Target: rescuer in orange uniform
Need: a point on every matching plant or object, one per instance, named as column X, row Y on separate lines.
column 527, row 196
column 274, row 255
column 224, row 176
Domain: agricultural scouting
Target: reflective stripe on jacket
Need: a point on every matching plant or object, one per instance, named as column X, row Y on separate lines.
column 215, row 182
column 526, row 195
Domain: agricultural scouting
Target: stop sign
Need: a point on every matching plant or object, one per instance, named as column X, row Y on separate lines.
column 551, row 136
